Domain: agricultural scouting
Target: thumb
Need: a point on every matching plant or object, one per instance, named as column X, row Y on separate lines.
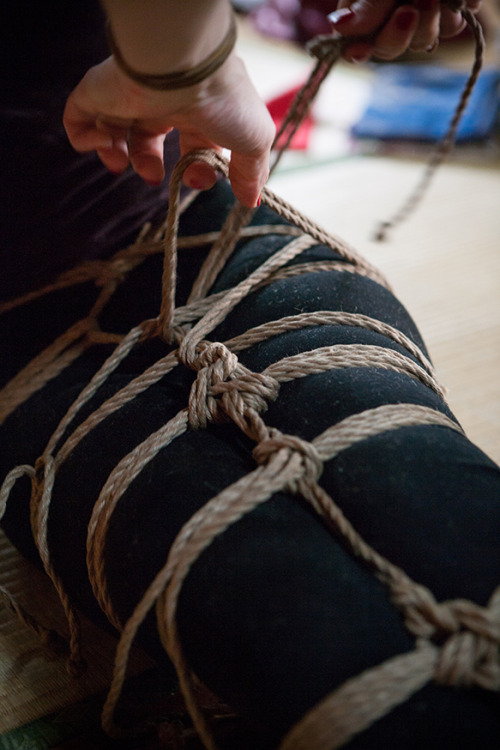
column 248, row 174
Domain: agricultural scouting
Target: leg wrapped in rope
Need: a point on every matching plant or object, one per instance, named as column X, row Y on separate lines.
column 241, row 458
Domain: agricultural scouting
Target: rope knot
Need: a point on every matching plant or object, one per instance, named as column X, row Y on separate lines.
column 213, row 353
column 325, row 47
column 311, row 462
column 471, row 655
column 247, row 390
column 215, row 364
column 469, row 635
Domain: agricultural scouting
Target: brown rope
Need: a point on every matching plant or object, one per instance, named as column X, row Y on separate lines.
column 446, row 144
column 327, row 49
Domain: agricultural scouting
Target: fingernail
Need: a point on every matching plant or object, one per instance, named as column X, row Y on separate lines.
column 359, row 52
column 259, row 200
column 405, row 20
column 360, row 58
column 433, row 47
column 340, row 16
column 196, row 185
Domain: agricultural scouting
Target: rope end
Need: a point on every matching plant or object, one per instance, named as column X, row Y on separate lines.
column 380, row 235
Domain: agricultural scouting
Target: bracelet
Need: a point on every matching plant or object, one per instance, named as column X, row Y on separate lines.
column 182, row 78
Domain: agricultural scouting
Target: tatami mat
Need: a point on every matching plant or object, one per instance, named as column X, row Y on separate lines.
column 34, row 682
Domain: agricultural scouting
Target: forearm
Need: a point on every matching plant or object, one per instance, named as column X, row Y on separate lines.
column 163, row 36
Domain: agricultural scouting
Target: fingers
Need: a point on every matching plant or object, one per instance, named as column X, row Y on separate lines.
column 248, row 174
column 115, row 156
column 397, row 34
column 428, row 28
column 86, row 133
column 198, row 175
column 82, row 130
column 116, row 145
column 362, row 17
column 146, row 155
column 240, row 123
column 387, row 30
column 453, row 23
column 384, row 32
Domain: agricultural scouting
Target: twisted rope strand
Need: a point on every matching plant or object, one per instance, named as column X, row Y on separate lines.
column 446, row 143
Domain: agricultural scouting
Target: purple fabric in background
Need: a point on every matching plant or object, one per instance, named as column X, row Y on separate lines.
column 294, row 20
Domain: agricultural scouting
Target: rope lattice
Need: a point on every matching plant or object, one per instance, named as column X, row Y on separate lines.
column 456, row 641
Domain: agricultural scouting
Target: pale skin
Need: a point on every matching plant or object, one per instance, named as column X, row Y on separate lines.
column 126, row 123
column 391, row 28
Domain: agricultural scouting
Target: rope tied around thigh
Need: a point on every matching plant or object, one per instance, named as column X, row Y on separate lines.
column 226, row 390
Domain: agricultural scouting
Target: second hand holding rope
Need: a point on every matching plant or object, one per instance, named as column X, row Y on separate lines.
column 328, row 50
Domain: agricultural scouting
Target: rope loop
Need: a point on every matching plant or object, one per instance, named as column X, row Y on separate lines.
column 311, row 461
column 9, row 482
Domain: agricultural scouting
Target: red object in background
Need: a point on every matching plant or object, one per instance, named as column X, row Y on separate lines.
column 278, row 108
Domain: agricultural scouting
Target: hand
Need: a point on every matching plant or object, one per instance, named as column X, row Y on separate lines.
column 392, row 28
column 126, row 123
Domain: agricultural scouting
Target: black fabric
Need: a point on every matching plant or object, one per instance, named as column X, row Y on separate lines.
column 275, row 614
column 58, row 207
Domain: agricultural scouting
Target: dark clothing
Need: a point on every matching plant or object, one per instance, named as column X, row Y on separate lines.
column 58, row 207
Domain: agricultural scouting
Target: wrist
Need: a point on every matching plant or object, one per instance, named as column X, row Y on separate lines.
column 167, row 36
column 178, row 78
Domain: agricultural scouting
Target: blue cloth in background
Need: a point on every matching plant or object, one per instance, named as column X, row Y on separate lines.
column 418, row 102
